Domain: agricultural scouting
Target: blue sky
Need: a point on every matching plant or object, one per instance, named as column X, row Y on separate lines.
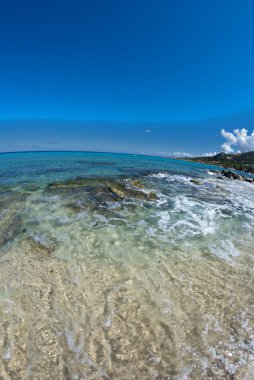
column 95, row 75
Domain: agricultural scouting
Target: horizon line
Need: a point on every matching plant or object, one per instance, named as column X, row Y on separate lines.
column 85, row 151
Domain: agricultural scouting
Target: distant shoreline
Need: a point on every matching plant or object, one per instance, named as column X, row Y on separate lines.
column 243, row 162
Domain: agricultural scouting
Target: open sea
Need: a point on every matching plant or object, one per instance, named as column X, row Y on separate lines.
column 116, row 266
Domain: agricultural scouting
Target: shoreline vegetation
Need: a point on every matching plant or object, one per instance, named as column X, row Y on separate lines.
column 240, row 161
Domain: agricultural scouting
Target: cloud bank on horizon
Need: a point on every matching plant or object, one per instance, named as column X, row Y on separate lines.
column 237, row 142
column 186, row 155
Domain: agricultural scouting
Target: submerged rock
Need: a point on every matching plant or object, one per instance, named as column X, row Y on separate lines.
column 31, row 187
column 95, row 163
column 34, row 246
column 10, row 226
column 137, row 183
column 10, row 217
column 231, row 175
column 111, row 199
column 102, row 189
column 122, row 191
column 222, row 174
column 152, row 196
column 119, row 192
column 196, row 181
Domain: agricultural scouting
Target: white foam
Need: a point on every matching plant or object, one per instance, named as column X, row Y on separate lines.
column 40, row 239
column 189, row 218
column 225, row 250
column 151, row 232
column 211, row 173
column 160, row 175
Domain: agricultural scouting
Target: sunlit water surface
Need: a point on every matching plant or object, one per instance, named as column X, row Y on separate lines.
column 121, row 267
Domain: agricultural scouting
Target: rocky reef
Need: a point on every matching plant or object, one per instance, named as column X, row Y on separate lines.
column 109, row 198
column 232, row 175
column 104, row 189
column 10, row 215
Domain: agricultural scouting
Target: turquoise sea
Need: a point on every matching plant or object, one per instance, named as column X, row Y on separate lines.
column 116, row 266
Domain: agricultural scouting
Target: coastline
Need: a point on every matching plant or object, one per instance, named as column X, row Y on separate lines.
column 218, row 164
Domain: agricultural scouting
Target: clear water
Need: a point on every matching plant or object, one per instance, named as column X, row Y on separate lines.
column 121, row 267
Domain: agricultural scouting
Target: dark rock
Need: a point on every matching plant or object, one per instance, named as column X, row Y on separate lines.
column 125, row 192
column 10, row 217
column 152, row 196
column 97, row 195
column 231, row 175
column 10, row 226
column 137, row 183
column 31, row 187
column 100, row 189
column 196, row 181
column 118, row 191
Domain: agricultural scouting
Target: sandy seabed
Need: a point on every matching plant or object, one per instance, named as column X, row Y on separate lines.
column 179, row 318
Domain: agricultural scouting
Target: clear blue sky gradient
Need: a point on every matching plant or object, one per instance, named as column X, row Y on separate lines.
column 182, row 69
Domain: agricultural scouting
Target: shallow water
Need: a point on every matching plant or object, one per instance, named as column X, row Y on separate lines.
column 119, row 266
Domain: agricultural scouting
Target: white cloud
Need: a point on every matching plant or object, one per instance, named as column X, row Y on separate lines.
column 230, row 137
column 148, row 131
column 180, row 155
column 239, row 140
column 209, row 154
column 186, row 155
column 226, row 148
